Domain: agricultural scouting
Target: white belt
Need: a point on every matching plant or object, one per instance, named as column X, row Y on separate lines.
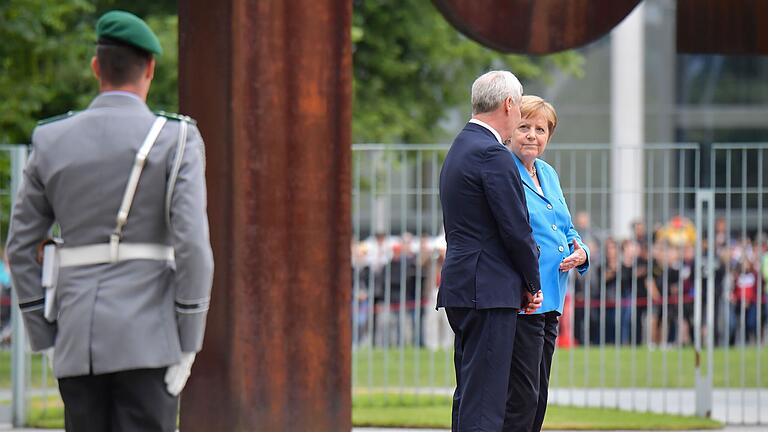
column 100, row 253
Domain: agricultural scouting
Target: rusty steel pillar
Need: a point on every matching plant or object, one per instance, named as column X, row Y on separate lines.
column 269, row 82
column 736, row 27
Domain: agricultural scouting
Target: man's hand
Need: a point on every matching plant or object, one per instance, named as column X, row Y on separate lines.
column 577, row 258
column 177, row 374
column 532, row 302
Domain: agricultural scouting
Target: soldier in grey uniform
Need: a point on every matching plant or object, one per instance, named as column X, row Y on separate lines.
column 132, row 290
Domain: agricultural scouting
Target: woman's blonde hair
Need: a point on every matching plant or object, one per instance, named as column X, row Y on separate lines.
column 533, row 105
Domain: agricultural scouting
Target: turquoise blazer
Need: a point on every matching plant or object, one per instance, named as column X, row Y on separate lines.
column 553, row 231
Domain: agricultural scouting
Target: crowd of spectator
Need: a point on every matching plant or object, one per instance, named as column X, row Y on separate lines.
column 639, row 290
column 5, row 301
column 642, row 289
column 395, row 287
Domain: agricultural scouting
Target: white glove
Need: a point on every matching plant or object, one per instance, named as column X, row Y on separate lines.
column 177, row 374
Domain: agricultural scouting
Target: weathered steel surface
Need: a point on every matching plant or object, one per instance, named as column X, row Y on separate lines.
column 722, row 26
column 547, row 26
column 535, row 26
column 269, row 82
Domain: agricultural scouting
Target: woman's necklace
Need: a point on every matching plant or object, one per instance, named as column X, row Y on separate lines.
column 532, row 171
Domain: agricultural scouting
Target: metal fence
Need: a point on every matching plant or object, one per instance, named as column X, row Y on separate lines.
column 670, row 317
column 6, row 328
column 25, row 374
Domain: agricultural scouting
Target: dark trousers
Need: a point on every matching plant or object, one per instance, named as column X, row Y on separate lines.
column 482, row 358
column 531, row 366
column 135, row 400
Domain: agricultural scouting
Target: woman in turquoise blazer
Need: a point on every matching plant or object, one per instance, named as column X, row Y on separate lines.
column 561, row 250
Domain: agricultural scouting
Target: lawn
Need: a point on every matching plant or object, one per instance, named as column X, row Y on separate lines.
column 420, row 411
column 35, row 374
column 400, row 372
column 575, row 367
column 46, row 413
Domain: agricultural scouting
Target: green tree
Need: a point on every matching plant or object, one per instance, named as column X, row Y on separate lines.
column 164, row 94
column 37, row 76
column 45, row 59
column 412, row 68
column 142, row 8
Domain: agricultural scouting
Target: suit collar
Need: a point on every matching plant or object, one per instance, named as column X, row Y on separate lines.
column 528, row 181
column 118, row 100
column 477, row 128
column 487, row 127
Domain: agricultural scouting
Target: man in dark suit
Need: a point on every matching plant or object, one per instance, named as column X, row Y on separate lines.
column 491, row 268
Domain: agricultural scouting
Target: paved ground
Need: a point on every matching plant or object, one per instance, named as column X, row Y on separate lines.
column 727, row 429
column 729, row 405
column 7, row 428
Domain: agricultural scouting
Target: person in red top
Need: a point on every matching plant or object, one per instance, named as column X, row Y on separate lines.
column 744, row 302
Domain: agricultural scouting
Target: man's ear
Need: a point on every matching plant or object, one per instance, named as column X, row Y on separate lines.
column 95, row 67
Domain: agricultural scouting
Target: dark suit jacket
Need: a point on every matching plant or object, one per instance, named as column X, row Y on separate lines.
column 492, row 258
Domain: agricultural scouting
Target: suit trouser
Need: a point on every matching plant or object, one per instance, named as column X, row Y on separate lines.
column 482, row 357
column 531, row 365
column 126, row 401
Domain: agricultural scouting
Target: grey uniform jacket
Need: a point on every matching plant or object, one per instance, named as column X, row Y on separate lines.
column 125, row 315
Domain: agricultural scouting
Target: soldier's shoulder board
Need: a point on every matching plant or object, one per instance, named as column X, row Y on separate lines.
column 175, row 116
column 56, row 118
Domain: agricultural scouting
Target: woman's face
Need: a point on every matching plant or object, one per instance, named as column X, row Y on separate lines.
column 530, row 138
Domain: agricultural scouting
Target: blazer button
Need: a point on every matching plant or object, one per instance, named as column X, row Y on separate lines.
column 549, row 206
column 561, row 248
column 554, row 227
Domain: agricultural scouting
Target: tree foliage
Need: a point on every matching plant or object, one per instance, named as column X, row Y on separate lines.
column 45, row 60
column 142, row 8
column 412, row 69
column 38, row 77
column 164, row 94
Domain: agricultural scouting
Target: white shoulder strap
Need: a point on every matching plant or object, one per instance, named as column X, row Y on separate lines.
column 133, row 182
column 180, row 147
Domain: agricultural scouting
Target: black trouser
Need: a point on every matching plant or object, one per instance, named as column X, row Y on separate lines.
column 531, row 365
column 482, row 358
column 127, row 401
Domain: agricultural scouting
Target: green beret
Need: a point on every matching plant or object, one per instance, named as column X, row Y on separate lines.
column 128, row 28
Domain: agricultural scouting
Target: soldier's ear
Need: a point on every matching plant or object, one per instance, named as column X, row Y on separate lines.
column 149, row 72
column 95, row 67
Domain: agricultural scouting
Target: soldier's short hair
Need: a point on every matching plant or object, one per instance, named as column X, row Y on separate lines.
column 120, row 63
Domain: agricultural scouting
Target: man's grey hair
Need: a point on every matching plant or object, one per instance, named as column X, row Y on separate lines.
column 491, row 88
